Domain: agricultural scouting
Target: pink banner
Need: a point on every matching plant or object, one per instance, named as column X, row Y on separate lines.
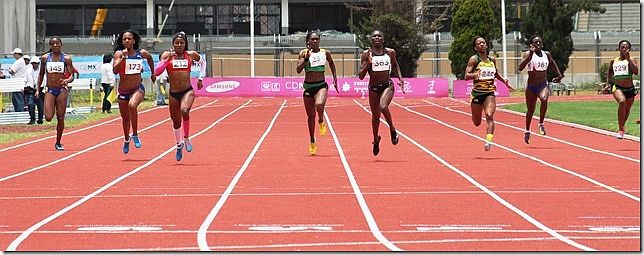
column 463, row 88
column 292, row 87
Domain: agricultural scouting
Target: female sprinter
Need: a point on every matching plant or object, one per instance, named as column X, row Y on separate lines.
column 178, row 63
column 622, row 69
column 379, row 61
column 128, row 63
column 537, row 61
column 55, row 64
column 313, row 60
column 482, row 69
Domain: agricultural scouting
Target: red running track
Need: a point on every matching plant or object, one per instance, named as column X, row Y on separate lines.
column 250, row 184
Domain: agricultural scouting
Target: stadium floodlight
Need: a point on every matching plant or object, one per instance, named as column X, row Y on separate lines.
column 252, row 38
column 505, row 56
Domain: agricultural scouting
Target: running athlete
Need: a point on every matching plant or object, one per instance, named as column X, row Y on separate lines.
column 55, row 64
column 537, row 61
column 379, row 61
column 178, row 63
column 313, row 60
column 128, row 63
column 482, row 69
column 622, row 69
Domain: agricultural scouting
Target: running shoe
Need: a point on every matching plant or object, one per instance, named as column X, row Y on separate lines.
column 59, row 147
column 313, row 149
column 394, row 137
column 137, row 142
column 376, row 146
column 126, row 147
column 179, row 154
column 526, row 137
column 188, row 144
column 323, row 128
column 542, row 129
column 620, row 135
column 487, row 146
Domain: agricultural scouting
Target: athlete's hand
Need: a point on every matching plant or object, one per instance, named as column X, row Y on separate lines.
column 199, row 84
column 532, row 48
column 37, row 94
column 153, row 77
column 369, row 58
column 335, row 84
column 627, row 54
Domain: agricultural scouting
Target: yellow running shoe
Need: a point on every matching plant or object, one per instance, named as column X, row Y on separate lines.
column 323, row 128
column 313, row 149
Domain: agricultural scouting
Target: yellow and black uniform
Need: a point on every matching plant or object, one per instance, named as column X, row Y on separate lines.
column 315, row 63
column 484, row 82
column 622, row 72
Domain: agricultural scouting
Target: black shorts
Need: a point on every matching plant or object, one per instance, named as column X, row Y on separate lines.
column 311, row 92
column 479, row 97
column 380, row 88
column 628, row 92
column 179, row 95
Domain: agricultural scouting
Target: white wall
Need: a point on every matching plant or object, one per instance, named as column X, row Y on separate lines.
column 18, row 25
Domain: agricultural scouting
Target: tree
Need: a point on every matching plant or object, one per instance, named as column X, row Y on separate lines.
column 396, row 20
column 471, row 18
column 552, row 20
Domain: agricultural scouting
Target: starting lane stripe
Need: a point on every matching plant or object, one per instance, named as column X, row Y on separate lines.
column 547, row 137
column 15, row 243
column 201, row 234
column 563, row 123
column 74, row 131
column 581, row 176
column 88, row 149
column 496, row 197
column 331, row 244
column 395, row 193
column 373, row 226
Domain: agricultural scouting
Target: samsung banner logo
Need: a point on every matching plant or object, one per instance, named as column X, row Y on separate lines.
column 222, row 86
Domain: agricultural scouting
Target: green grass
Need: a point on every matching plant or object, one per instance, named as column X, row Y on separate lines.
column 10, row 133
column 598, row 114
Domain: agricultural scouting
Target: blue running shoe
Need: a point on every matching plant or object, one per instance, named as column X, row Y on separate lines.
column 137, row 142
column 59, row 147
column 126, row 147
column 179, row 154
column 188, row 144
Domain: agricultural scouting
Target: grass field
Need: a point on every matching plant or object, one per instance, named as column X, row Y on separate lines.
column 599, row 114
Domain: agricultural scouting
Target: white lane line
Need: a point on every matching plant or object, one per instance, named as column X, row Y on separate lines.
column 2, row 179
column 16, row 242
column 373, row 226
column 547, row 137
column 496, row 197
column 563, row 123
column 201, row 234
column 73, row 132
column 382, row 193
column 583, row 177
column 332, row 244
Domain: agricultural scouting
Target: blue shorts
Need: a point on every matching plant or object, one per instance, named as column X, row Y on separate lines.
column 127, row 95
column 55, row 91
column 536, row 89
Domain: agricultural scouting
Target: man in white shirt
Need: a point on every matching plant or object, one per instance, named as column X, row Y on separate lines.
column 17, row 70
column 40, row 101
column 30, row 90
column 107, row 82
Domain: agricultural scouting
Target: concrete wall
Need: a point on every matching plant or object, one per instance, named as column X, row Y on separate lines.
column 18, row 25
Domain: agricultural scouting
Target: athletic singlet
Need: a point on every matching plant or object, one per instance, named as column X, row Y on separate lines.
column 621, row 70
column 486, row 70
column 380, row 62
column 55, row 67
column 133, row 65
column 317, row 60
column 538, row 63
column 176, row 65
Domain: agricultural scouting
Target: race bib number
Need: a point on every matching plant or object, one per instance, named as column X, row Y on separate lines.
column 487, row 73
column 317, row 59
column 381, row 63
column 55, row 67
column 620, row 68
column 179, row 63
column 540, row 66
column 133, row 66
